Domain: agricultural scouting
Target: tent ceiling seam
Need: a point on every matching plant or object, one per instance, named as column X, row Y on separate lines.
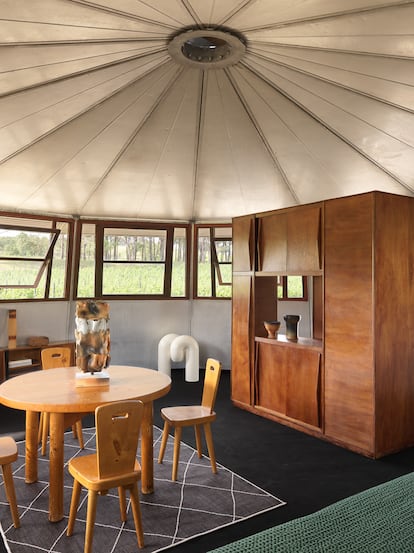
column 330, row 50
column 132, row 137
column 199, row 131
column 81, row 113
column 337, row 68
column 262, row 136
column 244, row 4
column 122, row 13
column 329, row 16
column 73, row 74
column 336, row 83
column 337, row 106
column 333, row 131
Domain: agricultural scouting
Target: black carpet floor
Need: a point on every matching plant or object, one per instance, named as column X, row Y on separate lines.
column 306, row 472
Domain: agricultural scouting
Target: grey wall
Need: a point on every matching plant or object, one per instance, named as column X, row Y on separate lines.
column 136, row 327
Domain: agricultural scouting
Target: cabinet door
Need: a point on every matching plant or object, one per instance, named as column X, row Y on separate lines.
column 349, row 346
column 272, row 243
column 303, row 386
column 303, row 240
column 243, row 243
column 287, row 381
column 241, row 339
column 290, row 242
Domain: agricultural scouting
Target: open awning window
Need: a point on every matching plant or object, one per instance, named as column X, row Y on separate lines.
column 25, row 253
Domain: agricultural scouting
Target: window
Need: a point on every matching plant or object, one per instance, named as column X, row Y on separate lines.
column 146, row 260
column 34, row 258
column 212, row 261
column 292, row 288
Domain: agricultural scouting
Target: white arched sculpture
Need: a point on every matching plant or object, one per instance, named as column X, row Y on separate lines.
column 164, row 358
column 175, row 347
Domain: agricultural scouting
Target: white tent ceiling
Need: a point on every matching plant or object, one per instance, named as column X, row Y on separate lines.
column 98, row 120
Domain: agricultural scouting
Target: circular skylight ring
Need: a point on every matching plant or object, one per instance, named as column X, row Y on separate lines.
column 206, row 48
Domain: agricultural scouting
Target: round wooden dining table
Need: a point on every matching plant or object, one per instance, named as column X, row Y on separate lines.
column 55, row 392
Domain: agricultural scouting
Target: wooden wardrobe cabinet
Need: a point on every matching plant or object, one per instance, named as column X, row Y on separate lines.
column 353, row 382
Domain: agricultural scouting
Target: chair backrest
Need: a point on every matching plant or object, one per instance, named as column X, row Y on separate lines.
column 118, row 426
column 211, row 382
column 52, row 358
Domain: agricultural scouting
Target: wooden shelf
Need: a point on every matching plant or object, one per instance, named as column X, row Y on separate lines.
column 22, row 353
column 281, row 340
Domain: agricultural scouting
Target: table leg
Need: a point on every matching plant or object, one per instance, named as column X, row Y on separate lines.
column 32, row 425
column 56, row 464
column 147, row 449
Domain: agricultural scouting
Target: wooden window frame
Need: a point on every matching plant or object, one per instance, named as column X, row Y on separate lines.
column 283, row 283
column 215, row 269
column 100, row 227
column 47, row 263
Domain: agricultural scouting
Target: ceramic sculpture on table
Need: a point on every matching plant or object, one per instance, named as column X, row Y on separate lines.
column 92, row 337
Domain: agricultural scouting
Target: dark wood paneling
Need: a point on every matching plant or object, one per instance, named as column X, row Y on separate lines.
column 349, row 354
column 271, row 377
column 287, row 381
column 394, row 319
column 243, row 243
column 317, row 307
column 272, row 243
column 303, row 240
column 265, row 303
column 303, row 394
column 241, row 339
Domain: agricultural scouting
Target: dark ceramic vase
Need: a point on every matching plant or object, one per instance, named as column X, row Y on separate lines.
column 292, row 327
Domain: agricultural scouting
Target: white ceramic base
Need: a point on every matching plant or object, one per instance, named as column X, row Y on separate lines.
column 92, row 379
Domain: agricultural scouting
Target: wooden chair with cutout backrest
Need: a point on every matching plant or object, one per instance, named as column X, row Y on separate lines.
column 193, row 415
column 114, row 465
column 53, row 358
column 8, row 454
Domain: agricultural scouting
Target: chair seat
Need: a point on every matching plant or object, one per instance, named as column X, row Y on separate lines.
column 188, row 414
column 200, row 416
column 85, row 470
column 8, row 450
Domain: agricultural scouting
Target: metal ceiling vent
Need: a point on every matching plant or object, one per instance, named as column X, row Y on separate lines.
column 207, row 48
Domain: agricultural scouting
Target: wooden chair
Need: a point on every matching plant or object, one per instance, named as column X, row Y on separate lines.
column 193, row 415
column 52, row 358
column 114, row 465
column 8, row 454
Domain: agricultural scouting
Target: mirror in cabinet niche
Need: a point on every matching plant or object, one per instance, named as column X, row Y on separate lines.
column 300, row 296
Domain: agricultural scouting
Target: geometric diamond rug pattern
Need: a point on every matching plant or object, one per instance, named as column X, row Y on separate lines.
column 197, row 503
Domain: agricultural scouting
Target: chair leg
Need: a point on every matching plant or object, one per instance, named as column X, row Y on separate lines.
column 10, row 493
column 45, row 432
column 122, row 503
column 79, row 433
column 177, row 443
column 164, row 440
column 90, row 520
column 210, row 446
column 198, row 440
column 40, row 431
column 136, row 513
column 74, row 503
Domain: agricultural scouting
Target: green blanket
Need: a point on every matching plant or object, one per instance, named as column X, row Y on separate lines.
column 378, row 520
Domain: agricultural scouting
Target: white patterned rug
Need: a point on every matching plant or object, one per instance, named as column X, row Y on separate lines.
column 198, row 503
